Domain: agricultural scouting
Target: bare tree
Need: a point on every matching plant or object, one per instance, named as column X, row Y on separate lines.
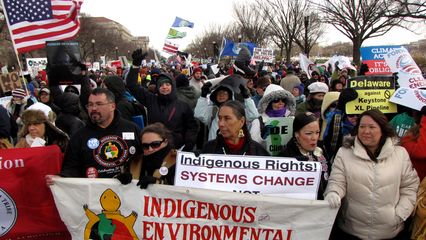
column 358, row 19
column 414, row 9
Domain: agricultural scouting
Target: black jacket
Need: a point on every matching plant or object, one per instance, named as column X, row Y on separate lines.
column 68, row 120
column 102, row 152
column 218, row 146
column 116, row 85
column 176, row 115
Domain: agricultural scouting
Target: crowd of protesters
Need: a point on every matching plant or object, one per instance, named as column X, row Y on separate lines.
column 370, row 167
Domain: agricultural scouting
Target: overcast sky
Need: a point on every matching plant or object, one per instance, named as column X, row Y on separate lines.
column 154, row 18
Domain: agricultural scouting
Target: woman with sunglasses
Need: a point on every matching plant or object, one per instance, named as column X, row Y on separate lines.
column 276, row 102
column 233, row 136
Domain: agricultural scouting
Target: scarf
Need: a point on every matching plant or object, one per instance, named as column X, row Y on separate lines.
column 276, row 113
column 234, row 148
column 154, row 160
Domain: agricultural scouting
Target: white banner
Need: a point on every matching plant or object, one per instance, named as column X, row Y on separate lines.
column 263, row 54
column 249, row 174
column 36, row 64
column 409, row 74
column 307, row 65
column 105, row 209
column 281, row 132
column 412, row 98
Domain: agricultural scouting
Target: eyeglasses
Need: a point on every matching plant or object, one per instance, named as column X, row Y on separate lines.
column 97, row 105
column 153, row 145
column 277, row 100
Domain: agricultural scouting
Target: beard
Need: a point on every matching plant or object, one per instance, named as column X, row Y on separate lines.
column 96, row 118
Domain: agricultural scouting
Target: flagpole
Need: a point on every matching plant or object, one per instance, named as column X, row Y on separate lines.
column 221, row 49
column 14, row 47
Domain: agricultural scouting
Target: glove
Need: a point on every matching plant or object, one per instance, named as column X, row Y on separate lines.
column 138, row 56
column 333, row 199
column 205, row 89
column 145, row 180
column 125, row 178
column 244, row 91
column 266, row 131
column 423, row 110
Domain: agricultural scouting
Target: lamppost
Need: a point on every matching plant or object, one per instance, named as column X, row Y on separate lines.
column 93, row 50
column 116, row 53
column 306, row 18
column 205, row 53
column 214, row 51
column 128, row 53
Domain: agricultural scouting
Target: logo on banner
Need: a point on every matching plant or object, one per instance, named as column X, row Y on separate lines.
column 420, row 95
column 110, row 223
column 405, row 63
column 111, row 152
column 8, row 213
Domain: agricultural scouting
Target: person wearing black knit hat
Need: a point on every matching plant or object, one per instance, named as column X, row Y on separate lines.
column 304, row 145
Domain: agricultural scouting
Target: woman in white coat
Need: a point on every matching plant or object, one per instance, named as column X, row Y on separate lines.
column 375, row 179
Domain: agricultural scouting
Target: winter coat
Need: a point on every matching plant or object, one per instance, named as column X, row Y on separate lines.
column 376, row 196
column 207, row 111
column 68, row 120
column 167, row 109
column 116, row 85
column 417, row 149
column 290, row 81
column 189, row 95
column 218, row 146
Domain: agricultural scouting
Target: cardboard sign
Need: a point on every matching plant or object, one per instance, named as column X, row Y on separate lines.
column 249, row 174
column 374, row 92
column 10, row 81
column 374, row 57
column 263, row 54
column 412, row 98
column 104, row 207
column 281, row 133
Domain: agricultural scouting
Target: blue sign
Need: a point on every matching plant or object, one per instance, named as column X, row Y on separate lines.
column 376, row 52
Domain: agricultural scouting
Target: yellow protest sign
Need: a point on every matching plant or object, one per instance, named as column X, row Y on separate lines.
column 374, row 92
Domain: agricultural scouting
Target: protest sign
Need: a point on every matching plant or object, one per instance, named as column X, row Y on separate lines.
column 249, row 174
column 103, row 207
column 263, row 54
column 307, row 65
column 409, row 74
column 280, row 133
column 373, row 56
column 63, row 59
column 27, row 210
column 412, row 98
column 5, row 100
column 374, row 92
column 10, row 82
column 36, row 64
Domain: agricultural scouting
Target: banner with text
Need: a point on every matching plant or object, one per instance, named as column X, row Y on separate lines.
column 412, row 98
column 281, row 131
column 36, row 64
column 105, row 209
column 374, row 57
column 10, row 81
column 263, row 54
column 27, row 209
column 249, row 174
column 374, row 92
column 409, row 74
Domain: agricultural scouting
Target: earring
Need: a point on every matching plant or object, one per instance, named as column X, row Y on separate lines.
column 241, row 133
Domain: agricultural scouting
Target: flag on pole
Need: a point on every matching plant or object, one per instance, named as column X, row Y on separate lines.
column 32, row 23
column 232, row 49
column 173, row 33
column 179, row 22
column 170, row 47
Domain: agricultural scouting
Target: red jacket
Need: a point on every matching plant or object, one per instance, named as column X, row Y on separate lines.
column 417, row 149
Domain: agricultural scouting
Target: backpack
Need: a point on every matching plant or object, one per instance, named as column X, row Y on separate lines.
column 419, row 220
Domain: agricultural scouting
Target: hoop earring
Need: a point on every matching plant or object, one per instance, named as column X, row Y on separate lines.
column 241, row 133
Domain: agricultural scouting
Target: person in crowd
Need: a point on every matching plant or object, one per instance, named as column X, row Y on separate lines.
column 196, row 80
column 313, row 103
column 233, row 136
column 107, row 144
column 336, row 85
column 19, row 102
column 375, row 179
column 46, row 98
column 298, row 94
column 403, row 121
column 68, row 119
column 185, row 92
column 290, row 80
column 5, row 128
column 314, row 78
column 39, row 128
column 276, row 102
column 415, row 143
column 207, row 112
column 72, row 88
column 328, row 107
column 261, row 85
column 165, row 107
column 304, row 145
column 116, row 85
column 159, row 158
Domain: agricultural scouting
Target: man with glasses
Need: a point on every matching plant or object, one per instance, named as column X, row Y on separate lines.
column 106, row 145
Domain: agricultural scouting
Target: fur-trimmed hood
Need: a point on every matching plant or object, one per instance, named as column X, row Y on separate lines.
column 274, row 91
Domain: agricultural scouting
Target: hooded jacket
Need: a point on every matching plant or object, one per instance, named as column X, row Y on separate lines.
column 116, row 85
column 376, row 196
column 272, row 92
column 68, row 120
column 189, row 95
column 207, row 111
column 167, row 109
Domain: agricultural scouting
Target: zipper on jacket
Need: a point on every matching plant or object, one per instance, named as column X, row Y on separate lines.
column 373, row 202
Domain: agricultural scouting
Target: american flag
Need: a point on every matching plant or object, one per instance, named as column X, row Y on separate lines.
column 33, row 22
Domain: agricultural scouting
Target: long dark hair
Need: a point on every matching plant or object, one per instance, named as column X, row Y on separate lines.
column 238, row 109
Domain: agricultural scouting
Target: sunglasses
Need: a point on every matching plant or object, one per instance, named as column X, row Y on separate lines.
column 277, row 100
column 153, row 145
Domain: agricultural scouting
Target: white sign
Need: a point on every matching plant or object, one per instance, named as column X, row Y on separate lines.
column 263, row 54
column 36, row 64
column 106, row 208
column 5, row 100
column 281, row 131
column 409, row 74
column 249, row 174
column 412, row 98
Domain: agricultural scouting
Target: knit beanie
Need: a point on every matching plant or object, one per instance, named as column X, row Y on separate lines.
column 19, row 93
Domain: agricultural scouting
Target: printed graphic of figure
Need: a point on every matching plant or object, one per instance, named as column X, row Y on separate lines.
column 109, row 224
